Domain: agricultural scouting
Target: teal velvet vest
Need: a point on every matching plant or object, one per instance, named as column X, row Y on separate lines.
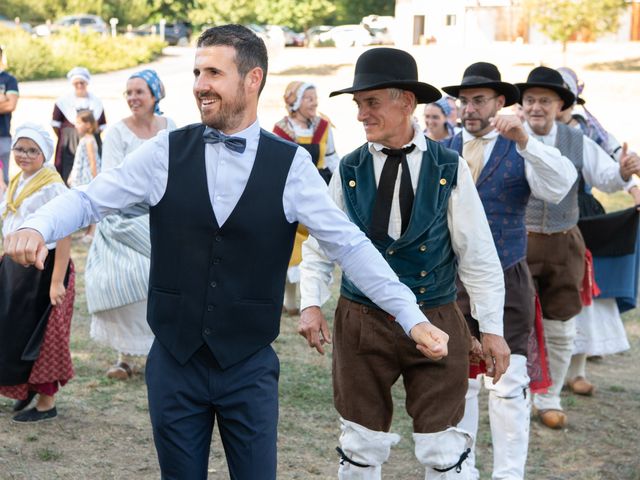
column 422, row 257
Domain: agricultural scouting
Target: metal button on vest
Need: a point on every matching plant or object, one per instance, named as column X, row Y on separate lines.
column 391, row 252
column 443, row 181
column 207, row 331
column 218, row 238
column 352, row 183
column 423, row 248
column 422, row 290
column 213, row 284
column 209, row 308
column 423, row 273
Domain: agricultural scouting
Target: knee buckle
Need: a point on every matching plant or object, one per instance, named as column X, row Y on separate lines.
column 457, row 466
column 344, row 458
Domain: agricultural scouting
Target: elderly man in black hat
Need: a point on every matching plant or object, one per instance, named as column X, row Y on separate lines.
column 556, row 250
column 507, row 165
column 417, row 203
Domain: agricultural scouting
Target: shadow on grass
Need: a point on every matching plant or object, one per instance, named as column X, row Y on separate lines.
column 312, row 70
column 626, row 65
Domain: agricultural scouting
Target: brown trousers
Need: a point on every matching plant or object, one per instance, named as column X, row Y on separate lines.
column 370, row 353
column 556, row 262
column 519, row 308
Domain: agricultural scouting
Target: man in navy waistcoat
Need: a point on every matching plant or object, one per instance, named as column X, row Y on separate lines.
column 507, row 165
column 225, row 199
column 417, row 203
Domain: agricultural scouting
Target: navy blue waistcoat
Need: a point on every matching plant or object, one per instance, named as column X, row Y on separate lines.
column 222, row 286
column 504, row 191
column 422, row 257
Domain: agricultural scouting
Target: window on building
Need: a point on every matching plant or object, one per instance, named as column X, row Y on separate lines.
column 450, row 20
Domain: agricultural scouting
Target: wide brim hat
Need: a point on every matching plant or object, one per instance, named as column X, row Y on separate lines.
column 545, row 77
column 485, row 75
column 383, row 67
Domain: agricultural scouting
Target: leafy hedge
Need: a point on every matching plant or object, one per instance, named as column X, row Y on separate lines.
column 33, row 58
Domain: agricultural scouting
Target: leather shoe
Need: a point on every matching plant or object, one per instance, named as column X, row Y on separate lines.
column 20, row 405
column 121, row 371
column 553, row 418
column 35, row 415
column 582, row 386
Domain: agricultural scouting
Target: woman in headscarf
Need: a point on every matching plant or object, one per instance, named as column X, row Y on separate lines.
column 117, row 271
column 436, row 120
column 312, row 131
column 65, row 112
column 35, row 305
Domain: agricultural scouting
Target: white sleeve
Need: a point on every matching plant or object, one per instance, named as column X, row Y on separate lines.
column 478, row 263
column 549, row 174
column 601, row 171
column 316, row 269
column 141, row 178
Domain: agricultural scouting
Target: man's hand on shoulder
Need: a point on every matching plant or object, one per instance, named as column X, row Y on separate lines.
column 314, row 327
column 510, row 126
column 496, row 355
column 26, row 247
column 430, row 340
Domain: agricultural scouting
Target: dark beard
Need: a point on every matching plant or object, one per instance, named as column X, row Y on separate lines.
column 483, row 124
column 230, row 114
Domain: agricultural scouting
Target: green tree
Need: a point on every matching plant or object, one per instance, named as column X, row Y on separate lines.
column 563, row 20
column 352, row 11
column 295, row 14
column 216, row 12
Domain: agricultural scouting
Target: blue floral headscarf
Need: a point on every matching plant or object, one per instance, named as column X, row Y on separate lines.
column 155, row 85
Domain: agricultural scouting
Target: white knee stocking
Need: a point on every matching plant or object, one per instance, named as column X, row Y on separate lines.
column 365, row 447
column 442, row 451
column 559, row 337
column 469, row 423
column 509, row 412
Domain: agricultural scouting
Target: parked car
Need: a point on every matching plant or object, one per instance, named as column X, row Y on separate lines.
column 348, row 36
column 6, row 23
column 274, row 40
column 86, row 23
column 178, row 33
column 313, row 35
column 293, row 38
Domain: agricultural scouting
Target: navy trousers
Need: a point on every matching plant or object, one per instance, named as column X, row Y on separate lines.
column 185, row 400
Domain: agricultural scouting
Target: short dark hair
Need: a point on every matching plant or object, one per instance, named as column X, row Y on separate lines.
column 250, row 49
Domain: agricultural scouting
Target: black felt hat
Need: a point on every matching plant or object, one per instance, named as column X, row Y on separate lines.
column 383, row 67
column 485, row 75
column 545, row 77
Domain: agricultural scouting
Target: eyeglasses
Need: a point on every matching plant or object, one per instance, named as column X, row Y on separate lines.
column 32, row 153
column 543, row 101
column 476, row 102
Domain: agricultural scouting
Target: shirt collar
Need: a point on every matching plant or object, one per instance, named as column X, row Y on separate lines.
column 551, row 134
column 467, row 137
column 418, row 140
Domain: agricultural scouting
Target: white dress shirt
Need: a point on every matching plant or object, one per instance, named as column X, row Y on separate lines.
column 598, row 168
column 550, row 175
column 478, row 264
column 142, row 178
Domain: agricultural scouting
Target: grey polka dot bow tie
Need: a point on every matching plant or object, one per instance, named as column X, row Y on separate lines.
column 235, row 144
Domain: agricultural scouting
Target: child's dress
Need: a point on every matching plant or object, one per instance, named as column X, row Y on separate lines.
column 34, row 336
column 81, row 171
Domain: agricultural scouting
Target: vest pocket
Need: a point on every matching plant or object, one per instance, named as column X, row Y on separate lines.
column 164, row 305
